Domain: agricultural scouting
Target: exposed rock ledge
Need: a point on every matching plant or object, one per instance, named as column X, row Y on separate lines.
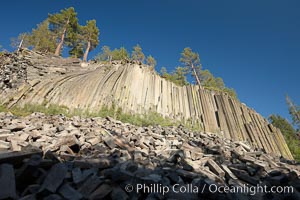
column 134, row 88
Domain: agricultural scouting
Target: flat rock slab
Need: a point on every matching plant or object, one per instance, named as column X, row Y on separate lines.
column 101, row 192
column 69, row 192
column 17, row 157
column 90, row 185
column 55, row 177
column 7, row 182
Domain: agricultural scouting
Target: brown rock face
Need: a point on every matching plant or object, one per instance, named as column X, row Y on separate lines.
column 136, row 89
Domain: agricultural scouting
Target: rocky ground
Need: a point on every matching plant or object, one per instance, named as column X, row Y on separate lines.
column 12, row 71
column 55, row 157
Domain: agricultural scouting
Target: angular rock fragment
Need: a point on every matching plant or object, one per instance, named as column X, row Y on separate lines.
column 55, row 177
column 109, row 141
column 101, row 192
column 89, row 186
column 7, row 182
column 69, row 192
column 118, row 194
column 214, row 167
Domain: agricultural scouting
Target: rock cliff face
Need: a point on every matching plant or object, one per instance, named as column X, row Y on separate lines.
column 136, row 89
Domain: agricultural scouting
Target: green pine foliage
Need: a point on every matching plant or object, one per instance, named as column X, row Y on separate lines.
column 191, row 61
column 76, row 51
column 42, row 39
column 90, row 37
column 151, row 61
column 120, row 54
column 178, row 76
column 39, row 39
column 137, row 53
column 61, row 30
column 210, row 82
column 23, row 38
column 289, row 134
column 294, row 111
column 117, row 54
column 104, row 55
column 64, row 25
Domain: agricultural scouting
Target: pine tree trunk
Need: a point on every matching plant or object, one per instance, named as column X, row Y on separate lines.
column 60, row 44
column 86, row 51
column 196, row 76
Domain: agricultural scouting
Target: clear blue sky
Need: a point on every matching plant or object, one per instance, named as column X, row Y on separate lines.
column 253, row 45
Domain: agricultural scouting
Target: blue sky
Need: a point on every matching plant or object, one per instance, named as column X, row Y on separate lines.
column 253, row 45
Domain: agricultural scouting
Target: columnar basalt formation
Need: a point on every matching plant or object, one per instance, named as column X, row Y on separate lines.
column 136, row 89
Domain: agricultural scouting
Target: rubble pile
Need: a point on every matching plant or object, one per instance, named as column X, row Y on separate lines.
column 12, row 71
column 55, row 157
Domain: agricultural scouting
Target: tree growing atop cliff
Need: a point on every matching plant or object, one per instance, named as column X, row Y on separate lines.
column 90, row 37
column 191, row 61
column 117, row 54
column 41, row 38
column 151, row 61
column 137, row 53
column 104, row 55
column 294, row 111
column 76, row 51
column 64, row 26
column 178, row 76
column 209, row 81
column 22, row 39
column 289, row 134
column 120, row 54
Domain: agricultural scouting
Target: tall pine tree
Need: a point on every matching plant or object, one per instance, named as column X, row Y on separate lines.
column 294, row 112
column 137, row 53
column 151, row 61
column 64, row 25
column 90, row 37
column 191, row 61
column 41, row 39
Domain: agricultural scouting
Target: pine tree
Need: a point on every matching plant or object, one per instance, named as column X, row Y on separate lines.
column 208, row 80
column 23, row 38
column 289, row 134
column 151, row 61
column 294, row 111
column 77, row 51
column 41, row 38
column 90, row 37
column 64, row 25
column 124, row 55
column 137, row 53
column 178, row 76
column 191, row 61
column 164, row 72
column 119, row 54
column 105, row 54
